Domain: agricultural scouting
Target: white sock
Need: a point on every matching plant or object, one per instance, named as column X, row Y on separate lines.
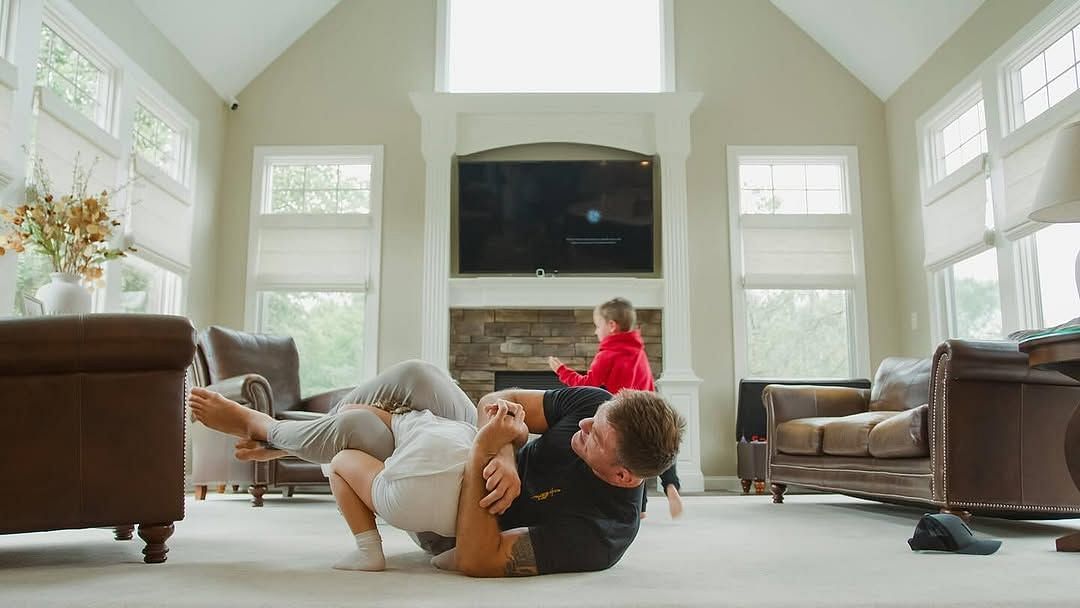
column 447, row 560
column 367, row 556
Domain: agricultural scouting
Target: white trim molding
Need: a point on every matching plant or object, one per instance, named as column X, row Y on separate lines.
column 646, row 123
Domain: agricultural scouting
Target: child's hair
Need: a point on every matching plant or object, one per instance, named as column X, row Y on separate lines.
column 619, row 310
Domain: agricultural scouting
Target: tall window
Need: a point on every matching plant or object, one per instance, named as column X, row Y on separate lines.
column 974, row 300
column 158, row 142
column 796, row 253
column 71, row 74
column 1050, row 76
column 314, row 259
column 1056, row 247
column 148, row 288
column 554, row 46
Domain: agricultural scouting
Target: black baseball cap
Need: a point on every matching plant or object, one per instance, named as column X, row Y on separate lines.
column 947, row 532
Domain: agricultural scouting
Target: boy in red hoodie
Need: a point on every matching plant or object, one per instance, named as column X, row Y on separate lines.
column 620, row 363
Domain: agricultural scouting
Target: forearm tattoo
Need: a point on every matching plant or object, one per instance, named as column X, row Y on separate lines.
column 522, row 561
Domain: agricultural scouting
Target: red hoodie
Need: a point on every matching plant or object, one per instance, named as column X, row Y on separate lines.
column 619, row 363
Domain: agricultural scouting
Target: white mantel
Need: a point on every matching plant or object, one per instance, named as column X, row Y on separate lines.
column 646, row 123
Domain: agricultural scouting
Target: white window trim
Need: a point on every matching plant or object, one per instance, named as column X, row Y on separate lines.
column 859, row 321
column 7, row 21
column 112, row 297
column 933, row 135
column 86, row 41
column 667, row 66
column 263, row 158
column 1039, row 34
column 176, row 118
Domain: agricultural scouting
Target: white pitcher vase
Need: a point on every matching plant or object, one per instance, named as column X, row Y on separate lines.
column 64, row 295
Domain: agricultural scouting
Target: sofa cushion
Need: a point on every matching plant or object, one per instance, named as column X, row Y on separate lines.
column 902, row 436
column 901, row 383
column 850, row 435
column 800, row 436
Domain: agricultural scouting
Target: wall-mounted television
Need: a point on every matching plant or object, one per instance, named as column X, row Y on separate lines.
column 565, row 217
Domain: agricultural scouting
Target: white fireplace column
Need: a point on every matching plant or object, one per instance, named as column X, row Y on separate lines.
column 647, row 123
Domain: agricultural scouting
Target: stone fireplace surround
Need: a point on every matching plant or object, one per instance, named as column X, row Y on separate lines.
column 645, row 123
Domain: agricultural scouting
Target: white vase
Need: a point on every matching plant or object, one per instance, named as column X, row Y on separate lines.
column 64, row 295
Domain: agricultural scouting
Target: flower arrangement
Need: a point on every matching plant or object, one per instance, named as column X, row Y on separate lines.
column 72, row 230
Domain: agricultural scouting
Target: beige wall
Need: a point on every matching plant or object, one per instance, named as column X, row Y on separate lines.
column 765, row 82
column 122, row 22
column 990, row 27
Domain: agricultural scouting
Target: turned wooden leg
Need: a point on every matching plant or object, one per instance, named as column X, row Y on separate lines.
column 759, row 486
column 962, row 514
column 257, row 492
column 124, row 532
column 155, row 536
column 221, row 489
column 288, row 492
column 778, row 490
column 745, row 485
column 200, row 492
column 236, row 488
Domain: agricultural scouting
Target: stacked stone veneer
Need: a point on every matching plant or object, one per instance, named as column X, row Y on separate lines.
column 483, row 341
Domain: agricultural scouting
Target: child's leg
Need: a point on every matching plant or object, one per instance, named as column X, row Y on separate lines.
column 418, row 385
column 351, row 475
column 670, row 481
column 319, row 440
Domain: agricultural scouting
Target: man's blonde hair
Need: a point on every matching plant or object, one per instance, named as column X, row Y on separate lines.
column 648, row 430
column 619, row 310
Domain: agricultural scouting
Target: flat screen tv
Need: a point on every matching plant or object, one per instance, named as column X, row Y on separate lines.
column 564, row 217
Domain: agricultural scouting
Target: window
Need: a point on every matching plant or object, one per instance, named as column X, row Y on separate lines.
column 157, row 142
column 1056, row 247
column 1050, row 76
column 31, row 272
column 320, row 188
column 962, row 139
column 5, row 27
column 554, row 46
column 314, row 258
column 974, row 300
column 69, row 73
column 799, row 293
column 148, row 288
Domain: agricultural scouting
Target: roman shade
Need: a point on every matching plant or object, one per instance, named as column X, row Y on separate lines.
column 954, row 215
column 1023, row 169
column 63, row 135
column 318, row 251
column 161, row 214
column 814, row 251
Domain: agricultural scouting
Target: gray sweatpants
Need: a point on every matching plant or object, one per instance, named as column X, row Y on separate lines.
column 416, row 384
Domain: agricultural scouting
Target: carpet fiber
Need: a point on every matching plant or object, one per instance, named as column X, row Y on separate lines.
column 815, row 550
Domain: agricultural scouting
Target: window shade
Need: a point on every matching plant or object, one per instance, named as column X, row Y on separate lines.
column 161, row 219
column 954, row 215
column 312, row 256
column 1023, row 169
column 58, row 145
column 781, row 249
column 6, row 107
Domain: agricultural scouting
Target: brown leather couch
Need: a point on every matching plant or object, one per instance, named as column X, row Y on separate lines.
column 261, row 371
column 972, row 430
column 93, row 414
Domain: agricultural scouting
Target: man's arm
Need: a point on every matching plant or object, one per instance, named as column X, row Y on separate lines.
column 531, row 401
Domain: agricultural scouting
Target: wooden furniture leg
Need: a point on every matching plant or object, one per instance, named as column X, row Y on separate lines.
column 257, row 492
column 124, row 532
column 155, row 536
column 200, row 492
column 778, row 490
column 745, row 485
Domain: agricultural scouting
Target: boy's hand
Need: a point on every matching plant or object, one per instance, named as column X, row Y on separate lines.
column 554, row 363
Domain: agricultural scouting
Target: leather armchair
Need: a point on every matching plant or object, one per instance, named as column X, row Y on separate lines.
column 94, row 407
column 262, row 372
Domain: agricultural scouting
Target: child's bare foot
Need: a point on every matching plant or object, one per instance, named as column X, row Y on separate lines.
column 227, row 416
column 675, row 505
column 249, row 449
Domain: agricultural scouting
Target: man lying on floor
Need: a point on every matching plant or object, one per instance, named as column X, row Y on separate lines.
column 582, row 478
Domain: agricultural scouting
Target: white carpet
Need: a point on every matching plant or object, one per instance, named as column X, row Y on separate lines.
column 815, row 550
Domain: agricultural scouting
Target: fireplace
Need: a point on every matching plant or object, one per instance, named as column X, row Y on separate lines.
column 528, row 380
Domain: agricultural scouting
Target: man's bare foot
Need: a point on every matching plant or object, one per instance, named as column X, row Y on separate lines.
column 249, row 449
column 227, row 416
column 675, row 505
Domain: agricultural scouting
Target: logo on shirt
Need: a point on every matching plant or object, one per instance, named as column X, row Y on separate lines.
column 546, row 494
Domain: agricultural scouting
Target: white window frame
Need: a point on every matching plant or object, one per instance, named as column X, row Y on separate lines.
column 1064, row 19
column 858, row 320
column 943, row 297
column 442, row 36
column 267, row 156
column 176, row 120
column 934, row 136
column 7, row 27
column 177, row 299
column 86, row 45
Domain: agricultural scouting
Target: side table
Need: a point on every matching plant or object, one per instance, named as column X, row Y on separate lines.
column 1061, row 353
column 751, row 464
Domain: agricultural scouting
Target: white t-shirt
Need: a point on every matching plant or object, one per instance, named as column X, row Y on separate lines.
column 425, row 444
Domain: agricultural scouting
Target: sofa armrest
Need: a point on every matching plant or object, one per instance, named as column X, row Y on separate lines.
column 998, row 361
column 785, row 402
column 323, row 402
column 251, row 390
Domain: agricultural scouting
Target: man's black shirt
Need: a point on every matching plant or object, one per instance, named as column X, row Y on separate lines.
column 577, row 522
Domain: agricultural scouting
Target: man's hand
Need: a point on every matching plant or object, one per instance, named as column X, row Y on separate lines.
column 502, row 482
column 505, row 426
column 554, row 363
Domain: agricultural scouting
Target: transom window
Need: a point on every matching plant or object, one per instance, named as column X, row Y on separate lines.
column 963, row 139
column 157, row 142
column 320, row 188
column 1050, row 76
column 69, row 73
column 554, row 46
column 791, row 189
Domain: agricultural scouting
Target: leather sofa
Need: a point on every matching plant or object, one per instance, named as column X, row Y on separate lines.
column 261, row 371
column 972, row 430
column 93, row 412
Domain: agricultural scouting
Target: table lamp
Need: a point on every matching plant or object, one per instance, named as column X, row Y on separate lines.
column 1058, row 199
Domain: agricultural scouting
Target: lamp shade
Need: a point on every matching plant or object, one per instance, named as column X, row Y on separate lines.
column 1058, row 199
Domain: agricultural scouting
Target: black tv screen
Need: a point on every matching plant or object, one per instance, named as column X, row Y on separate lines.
column 583, row 217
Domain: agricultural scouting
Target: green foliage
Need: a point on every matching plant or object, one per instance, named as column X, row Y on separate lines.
column 978, row 309
column 798, row 333
column 329, row 332
column 31, row 272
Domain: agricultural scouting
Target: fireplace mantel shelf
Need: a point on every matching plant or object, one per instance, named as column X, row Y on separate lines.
column 552, row 292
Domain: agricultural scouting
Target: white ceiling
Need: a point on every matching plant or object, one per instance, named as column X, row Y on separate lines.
column 230, row 42
column 881, row 42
